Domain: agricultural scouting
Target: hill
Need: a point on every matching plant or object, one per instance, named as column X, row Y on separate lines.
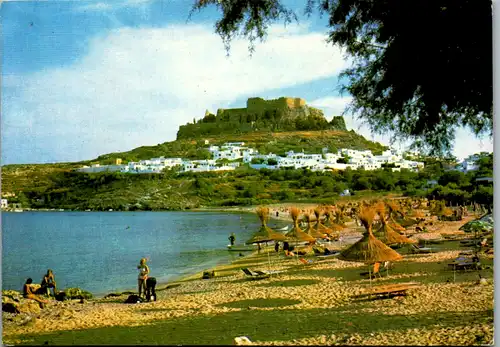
column 264, row 142
column 58, row 186
column 282, row 114
column 275, row 126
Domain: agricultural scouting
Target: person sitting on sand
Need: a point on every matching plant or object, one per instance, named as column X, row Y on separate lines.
column 286, row 248
column 143, row 275
column 30, row 293
column 48, row 282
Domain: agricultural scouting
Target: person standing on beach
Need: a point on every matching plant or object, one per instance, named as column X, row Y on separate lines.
column 232, row 238
column 143, row 275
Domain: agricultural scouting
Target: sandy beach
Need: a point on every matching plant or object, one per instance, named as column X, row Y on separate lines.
column 313, row 304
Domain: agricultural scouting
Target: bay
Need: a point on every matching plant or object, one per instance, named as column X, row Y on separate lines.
column 100, row 251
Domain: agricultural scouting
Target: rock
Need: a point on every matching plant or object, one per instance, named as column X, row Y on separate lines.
column 29, row 306
column 10, row 307
column 483, row 281
column 77, row 293
column 242, row 341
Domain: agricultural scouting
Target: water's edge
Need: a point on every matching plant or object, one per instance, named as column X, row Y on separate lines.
column 189, row 272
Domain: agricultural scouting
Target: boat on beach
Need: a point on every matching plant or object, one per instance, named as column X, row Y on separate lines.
column 241, row 248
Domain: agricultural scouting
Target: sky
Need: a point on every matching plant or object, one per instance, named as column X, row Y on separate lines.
column 84, row 78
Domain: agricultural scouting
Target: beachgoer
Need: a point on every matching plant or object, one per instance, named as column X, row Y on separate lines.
column 143, row 275
column 30, row 293
column 151, row 288
column 277, row 214
column 232, row 238
column 286, row 247
column 277, row 246
column 48, row 282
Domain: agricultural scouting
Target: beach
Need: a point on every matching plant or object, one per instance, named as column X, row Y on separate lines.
column 312, row 304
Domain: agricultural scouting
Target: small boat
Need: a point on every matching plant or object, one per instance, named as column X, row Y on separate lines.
column 285, row 228
column 241, row 248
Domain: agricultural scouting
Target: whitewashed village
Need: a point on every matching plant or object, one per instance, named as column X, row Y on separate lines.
column 231, row 155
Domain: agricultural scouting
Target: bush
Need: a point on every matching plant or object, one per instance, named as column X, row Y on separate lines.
column 77, row 293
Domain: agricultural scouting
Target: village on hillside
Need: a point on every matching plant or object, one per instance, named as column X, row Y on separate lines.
column 231, row 155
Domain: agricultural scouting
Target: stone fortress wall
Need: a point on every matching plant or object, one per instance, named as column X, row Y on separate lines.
column 257, row 107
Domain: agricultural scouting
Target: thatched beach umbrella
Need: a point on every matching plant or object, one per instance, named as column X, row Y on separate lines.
column 393, row 210
column 265, row 234
column 296, row 234
column 368, row 249
column 313, row 231
column 321, row 228
column 329, row 215
column 340, row 216
column 385, row 233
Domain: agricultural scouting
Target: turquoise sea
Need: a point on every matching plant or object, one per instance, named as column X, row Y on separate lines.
column 100, row 251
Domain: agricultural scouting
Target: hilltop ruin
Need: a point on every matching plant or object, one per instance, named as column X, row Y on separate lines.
column 282, row 114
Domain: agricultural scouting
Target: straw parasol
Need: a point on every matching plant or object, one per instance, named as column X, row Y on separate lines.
column 385, row 233
column 264, row 234
column 393, row 209
column 314, row 232
column 296, row 234
column 321, row 228
column 340, row 214
column 368, row 249
column 329, row 215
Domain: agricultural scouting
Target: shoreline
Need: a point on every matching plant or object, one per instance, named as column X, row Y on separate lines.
column 443, row 309
column 163, row 285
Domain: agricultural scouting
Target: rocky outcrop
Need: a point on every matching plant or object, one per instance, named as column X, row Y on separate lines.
column 282, row 114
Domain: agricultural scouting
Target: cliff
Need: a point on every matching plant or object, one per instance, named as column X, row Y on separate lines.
column 282, row 114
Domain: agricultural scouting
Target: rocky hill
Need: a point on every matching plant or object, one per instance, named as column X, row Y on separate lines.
column 273, row 126
column 282, row 114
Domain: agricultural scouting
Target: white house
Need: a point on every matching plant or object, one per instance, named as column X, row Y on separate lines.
column 469, row 163
column 331, row 157
column 5, row 203
column 235, row 150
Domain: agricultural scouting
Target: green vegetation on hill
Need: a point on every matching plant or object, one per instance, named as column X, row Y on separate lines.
column 245, row 186
column 57, row 186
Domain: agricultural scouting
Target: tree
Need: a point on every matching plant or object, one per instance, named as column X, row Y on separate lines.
column 272, row 161
column 257, row 160
column 419, row 79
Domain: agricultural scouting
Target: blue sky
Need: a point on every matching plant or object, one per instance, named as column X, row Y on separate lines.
column 85, row 78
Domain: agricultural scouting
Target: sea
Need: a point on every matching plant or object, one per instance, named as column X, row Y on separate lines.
column 100, row 251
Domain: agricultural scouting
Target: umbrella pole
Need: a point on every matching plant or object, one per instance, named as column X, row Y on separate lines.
column 268, row 261
column 370, row 274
